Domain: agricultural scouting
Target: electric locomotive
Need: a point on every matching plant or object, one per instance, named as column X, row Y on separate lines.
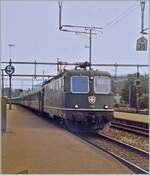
column 79, row 99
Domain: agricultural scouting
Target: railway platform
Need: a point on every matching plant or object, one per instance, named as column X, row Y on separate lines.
column 34, row 145
column 132, row 116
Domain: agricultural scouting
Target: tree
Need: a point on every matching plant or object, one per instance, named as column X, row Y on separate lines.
column 130, row 84
column 144, row 101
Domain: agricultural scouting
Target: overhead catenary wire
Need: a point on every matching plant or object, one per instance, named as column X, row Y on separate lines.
column 24, row 79
column 121, row 16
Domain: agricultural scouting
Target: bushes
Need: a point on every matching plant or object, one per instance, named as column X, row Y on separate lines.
column 144, row 101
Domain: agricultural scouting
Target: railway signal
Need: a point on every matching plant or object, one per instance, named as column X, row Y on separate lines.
column 138, row 83
column 142, row 41
column 141, row 44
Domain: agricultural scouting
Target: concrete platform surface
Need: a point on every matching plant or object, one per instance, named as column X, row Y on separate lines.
column 33, row 145
column 131, row 116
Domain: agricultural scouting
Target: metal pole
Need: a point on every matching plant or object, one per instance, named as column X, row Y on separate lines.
column 32, row 83
column 137, row 100
column 129, row 96
column 90, row 48
column 57, row 65
column 138, row 74
column 142, row 22
column 115, row 71
column 10, row 87
column 35, row 69
column 137, row 91
column 10, row 92
column 10, row 45
column 10, row 76
column 43, row 75
column 60, row 12
column 2, row 82
column 142, row 15
column 22, row 85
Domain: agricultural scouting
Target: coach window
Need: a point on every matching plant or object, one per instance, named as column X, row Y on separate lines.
column 56, row 84
column 52, row 85
column 80, row 84
column 102, row 84
column 59, row 87
column 62, row 84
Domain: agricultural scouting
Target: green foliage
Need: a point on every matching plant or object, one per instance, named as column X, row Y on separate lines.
column 144, row 101
column 145, row 85
column 129, row 85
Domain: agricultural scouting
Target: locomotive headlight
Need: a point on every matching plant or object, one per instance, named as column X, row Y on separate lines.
column 76, row 106
column 91, row 78
column 105, row 106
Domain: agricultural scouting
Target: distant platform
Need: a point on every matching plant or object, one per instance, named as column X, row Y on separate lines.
column 33, row 145
column 132, row 116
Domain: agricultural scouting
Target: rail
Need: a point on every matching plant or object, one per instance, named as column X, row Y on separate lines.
column 131, row 128
column 139, row 160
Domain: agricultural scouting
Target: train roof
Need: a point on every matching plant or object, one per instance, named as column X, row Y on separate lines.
column 29, row 93
column 87, row 72
column 79, row 72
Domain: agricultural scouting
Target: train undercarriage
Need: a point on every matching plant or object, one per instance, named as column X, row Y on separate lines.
column 86, row 121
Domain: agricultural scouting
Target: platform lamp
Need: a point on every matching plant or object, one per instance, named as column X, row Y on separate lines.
column 2, row 92
column 10, row 76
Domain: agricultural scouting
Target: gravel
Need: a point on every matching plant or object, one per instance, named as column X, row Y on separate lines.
column 129, row 138
column 137, row 159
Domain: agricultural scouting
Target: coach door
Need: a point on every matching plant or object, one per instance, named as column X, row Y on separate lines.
column 41, row 100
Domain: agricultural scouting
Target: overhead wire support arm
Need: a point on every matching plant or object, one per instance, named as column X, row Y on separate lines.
column 85, row 28
column 77, row 32
column 79, row 29
column 60, row 14
column 142, row 3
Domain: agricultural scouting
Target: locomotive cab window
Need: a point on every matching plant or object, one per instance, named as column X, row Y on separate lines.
column 102, row 84
column 80, row 84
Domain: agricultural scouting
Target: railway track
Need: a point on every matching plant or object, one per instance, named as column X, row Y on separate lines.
column 136, row 159
column 130, row 128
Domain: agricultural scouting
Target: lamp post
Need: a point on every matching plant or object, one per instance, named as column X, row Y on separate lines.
column 90, row 48
column 10, row 76
column 2, row 82
column 43, row 75
column 10, row 50
column 32, row 83
column 22, row 85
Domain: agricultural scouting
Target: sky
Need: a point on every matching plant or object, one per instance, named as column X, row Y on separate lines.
column 33, row 27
